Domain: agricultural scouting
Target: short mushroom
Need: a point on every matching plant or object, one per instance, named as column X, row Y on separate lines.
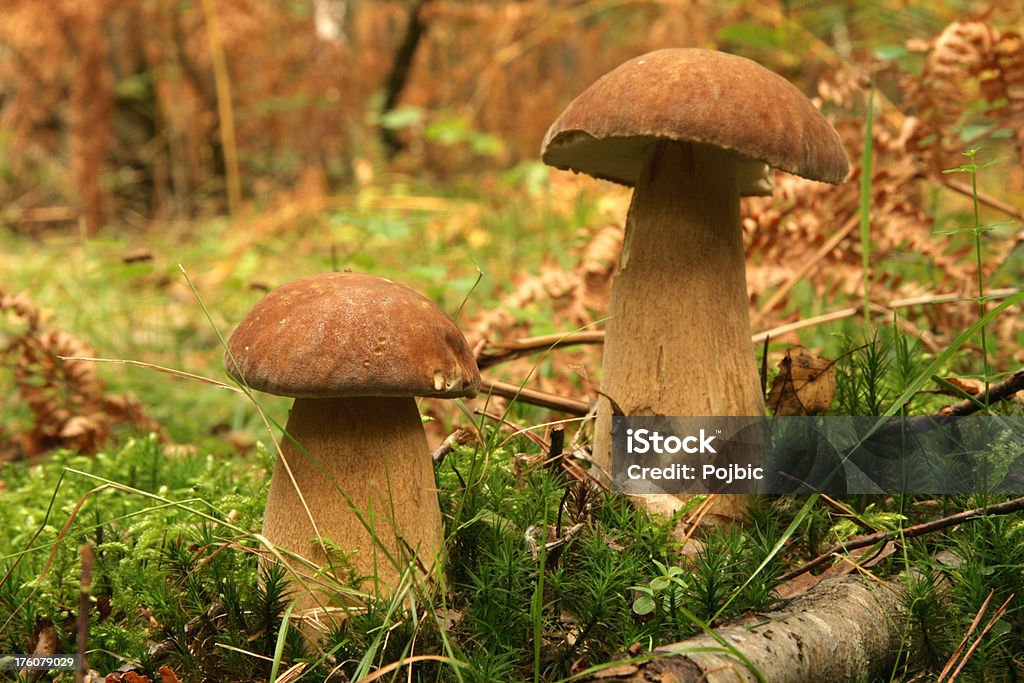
column 692, row 131
column 353, row 350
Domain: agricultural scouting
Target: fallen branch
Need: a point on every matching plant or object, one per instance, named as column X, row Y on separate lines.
column 516, row 348
column 843, row 629
column 868, row 540
column 457, row 438
column 509, row 350
column 493, row 353
column 534, row 397
column 966, row 190
column 809, row 265
column 876, row 309
column 962, row 656
column 997, row 392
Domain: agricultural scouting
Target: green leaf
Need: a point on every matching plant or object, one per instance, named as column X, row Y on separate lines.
column 659, row 583
column 644, row 605
column 486, row 144
column 752, row 34
column 401, row 117
column 389, row 228
column 966, row 168
column 888, row 53
column 446, row 131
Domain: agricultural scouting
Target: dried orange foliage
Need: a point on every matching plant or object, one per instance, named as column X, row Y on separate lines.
column 538, row 55
column 578, row 298
column 166, row 676
column 990, row 63
column 123, row 90
column 131, row 82
column 67, row 399
column 973, row 75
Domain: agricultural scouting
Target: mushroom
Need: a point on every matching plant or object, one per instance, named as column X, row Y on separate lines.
column 353, row 350
column 692, row 131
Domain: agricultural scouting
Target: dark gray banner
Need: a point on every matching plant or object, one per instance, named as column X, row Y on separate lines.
column 832, row 454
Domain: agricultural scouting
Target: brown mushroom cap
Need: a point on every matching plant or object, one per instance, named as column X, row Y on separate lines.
column 693, row 95
column 347, row 334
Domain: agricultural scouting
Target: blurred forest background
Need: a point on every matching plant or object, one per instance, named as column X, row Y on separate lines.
column 123, row 112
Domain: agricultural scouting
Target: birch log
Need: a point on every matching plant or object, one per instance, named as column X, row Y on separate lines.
column 843, row 629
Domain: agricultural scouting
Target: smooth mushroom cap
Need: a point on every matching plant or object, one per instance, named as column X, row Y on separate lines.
column 348, row 334
column 701, row 96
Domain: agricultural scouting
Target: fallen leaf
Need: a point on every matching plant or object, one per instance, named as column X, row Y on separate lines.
column 859, row 560
column 167, row 676
column 805, row 385
column 971, row 387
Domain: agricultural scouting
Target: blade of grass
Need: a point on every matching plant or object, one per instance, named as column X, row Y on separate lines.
column 866, row 176
column 282, row 635
column 943, row 358
column 537, row 601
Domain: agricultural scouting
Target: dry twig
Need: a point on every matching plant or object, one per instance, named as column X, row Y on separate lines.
column 535, row 397
column 868, row 540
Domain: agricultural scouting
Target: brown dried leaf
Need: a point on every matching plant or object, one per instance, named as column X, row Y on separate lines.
column 863, row 558
column 132, row 677
column 79, row 426
column 969, row 386
column 578, row 297
column 167, row 676
column 972, row 72
column 805, row 385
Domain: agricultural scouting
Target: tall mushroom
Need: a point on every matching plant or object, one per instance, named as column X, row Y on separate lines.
column 692, row 131
column 353, row 350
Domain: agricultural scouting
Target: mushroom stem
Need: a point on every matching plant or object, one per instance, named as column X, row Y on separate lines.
column 678, row 338
column 374, row 451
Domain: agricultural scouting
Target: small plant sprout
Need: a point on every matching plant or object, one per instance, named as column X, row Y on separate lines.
column 972, row 167
column 663, row 592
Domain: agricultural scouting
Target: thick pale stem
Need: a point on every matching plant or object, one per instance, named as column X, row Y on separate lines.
column 374, row 451
column 678, row 338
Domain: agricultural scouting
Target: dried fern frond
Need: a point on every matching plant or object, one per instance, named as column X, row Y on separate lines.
column 972, row 84
column 973, row 74
column 67, row 399
column 579, row 297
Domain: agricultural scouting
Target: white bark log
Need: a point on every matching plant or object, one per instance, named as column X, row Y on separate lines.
column 844, row 629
